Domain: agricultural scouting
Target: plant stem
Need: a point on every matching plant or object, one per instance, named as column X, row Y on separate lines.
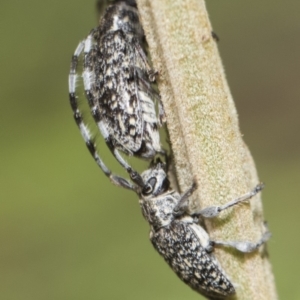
column 204, row 134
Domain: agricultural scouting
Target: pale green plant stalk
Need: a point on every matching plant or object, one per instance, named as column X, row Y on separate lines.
column 204, row 134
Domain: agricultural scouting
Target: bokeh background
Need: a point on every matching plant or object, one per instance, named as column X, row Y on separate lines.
column 65, row 231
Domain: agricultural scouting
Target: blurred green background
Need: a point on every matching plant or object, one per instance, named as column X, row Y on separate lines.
column 65, row 231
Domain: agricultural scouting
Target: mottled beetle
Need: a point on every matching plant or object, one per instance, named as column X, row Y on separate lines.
column 182, row 242
column 118, row 87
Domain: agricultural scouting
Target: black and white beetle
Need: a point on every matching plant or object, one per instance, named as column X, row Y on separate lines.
column 118, row 87
column 178, row 237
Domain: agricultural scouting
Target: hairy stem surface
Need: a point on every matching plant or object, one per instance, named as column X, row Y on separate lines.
column 204, row 134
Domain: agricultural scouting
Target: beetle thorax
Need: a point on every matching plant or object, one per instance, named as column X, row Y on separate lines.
column 158, row 211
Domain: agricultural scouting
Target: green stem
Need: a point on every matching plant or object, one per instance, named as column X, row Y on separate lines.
column 204, row 133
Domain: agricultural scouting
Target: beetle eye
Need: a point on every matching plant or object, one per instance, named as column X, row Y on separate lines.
column 147, row 189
